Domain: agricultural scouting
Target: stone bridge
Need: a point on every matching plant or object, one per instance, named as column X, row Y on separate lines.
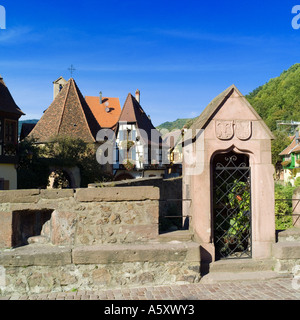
column 107, row 237
column 54, row 240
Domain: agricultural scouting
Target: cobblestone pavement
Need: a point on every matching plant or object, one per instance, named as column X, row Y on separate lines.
column 280, row 289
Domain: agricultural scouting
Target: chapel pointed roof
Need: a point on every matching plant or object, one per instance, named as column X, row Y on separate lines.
column 7, row 103
column 68, row 115
column 216, row 104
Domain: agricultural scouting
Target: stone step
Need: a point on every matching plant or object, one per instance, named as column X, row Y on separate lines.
column 241, row 265
column 151, row 252
column 290, row 235
column 46, row 254
column 180, row 235
column 219, row 277
column 286, row 250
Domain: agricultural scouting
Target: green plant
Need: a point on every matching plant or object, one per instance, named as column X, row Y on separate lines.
column 297, row 181
column 239, row 200
column 234, row 217
column 283, row 206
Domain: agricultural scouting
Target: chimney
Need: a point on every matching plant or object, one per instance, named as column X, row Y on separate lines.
column 100, row 97
column 137, row 95
column 297, row 136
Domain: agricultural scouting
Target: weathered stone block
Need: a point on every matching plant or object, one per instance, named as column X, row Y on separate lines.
column 286, row 250
column 106, row 254
column 5, row 229
column 57, row 193
column 36, row 255
column 117, row 194
column 101, row 276
column 19, row 196
column 292, row 234
column 137, row 233
column 62, row 228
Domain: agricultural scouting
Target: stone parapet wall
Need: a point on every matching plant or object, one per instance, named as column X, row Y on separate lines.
column 88, row 239
column 169, row 188
column 81, row 216
column 46, row 268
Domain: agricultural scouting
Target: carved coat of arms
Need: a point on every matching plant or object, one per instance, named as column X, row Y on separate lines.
column 243, row 129
column 224, row 129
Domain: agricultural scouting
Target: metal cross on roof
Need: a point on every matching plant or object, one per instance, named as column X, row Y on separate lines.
column 71, row 69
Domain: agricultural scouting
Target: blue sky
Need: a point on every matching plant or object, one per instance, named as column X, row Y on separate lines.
column 180, row 54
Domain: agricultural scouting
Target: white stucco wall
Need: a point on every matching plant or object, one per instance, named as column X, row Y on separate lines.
column 9, row 172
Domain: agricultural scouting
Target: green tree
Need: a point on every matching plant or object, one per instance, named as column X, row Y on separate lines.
column 32, row 171
column 280, row 142
column 279, row 99
column 35, row 162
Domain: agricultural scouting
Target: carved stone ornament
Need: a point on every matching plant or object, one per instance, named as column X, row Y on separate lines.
column 224, row 129
column 243, row 129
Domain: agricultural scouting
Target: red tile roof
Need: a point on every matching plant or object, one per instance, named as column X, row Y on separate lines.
column 107, row 114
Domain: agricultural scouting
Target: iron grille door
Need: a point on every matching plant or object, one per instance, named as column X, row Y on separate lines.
column 232, row 207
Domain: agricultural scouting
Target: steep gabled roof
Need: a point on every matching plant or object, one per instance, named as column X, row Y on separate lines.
column 7, row 103
column 133, row 113
column 106, row 113
column 216, row 104
column 68, row 115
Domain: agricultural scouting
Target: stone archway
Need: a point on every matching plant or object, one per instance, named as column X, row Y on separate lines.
column 71, row 176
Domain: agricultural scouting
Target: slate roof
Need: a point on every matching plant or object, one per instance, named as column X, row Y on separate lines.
column 132, row 112
column 107, row 113
column 68, row 115
column 216, row 104
column 7, row 103
column 26, row 129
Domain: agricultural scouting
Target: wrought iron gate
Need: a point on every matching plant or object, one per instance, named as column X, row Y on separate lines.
column 232, row 206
